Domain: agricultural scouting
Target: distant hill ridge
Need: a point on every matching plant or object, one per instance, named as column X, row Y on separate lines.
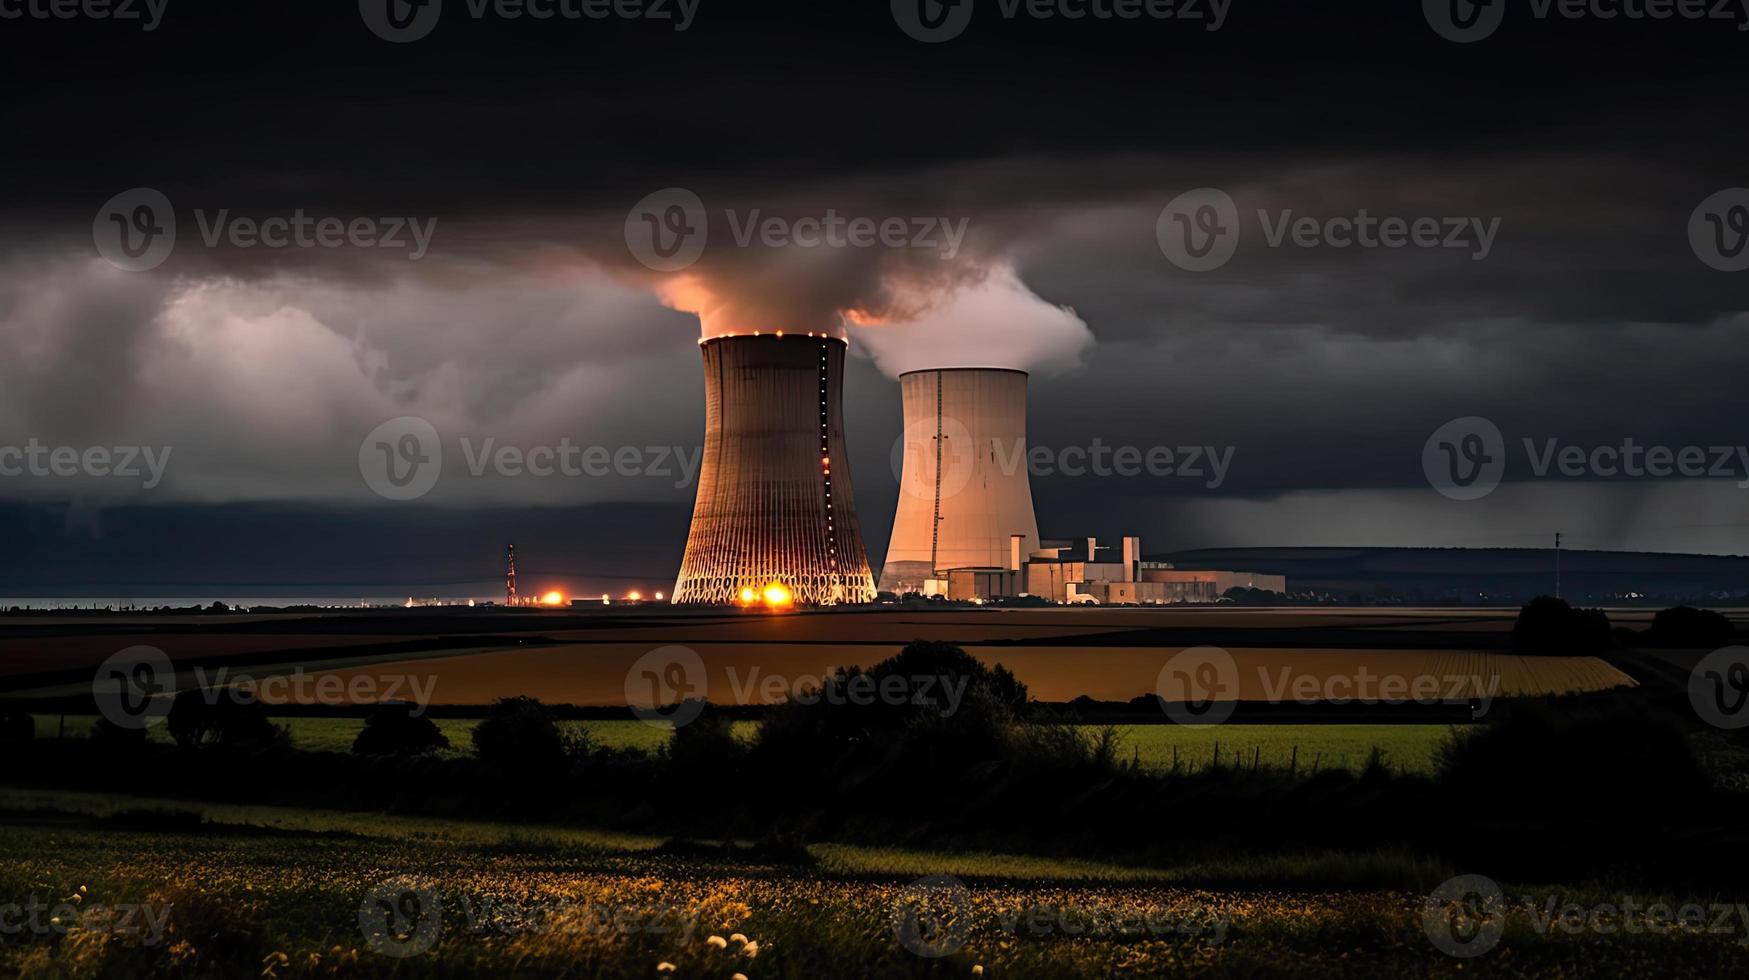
column 1475, row 573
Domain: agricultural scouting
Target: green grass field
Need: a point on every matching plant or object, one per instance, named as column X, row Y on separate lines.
column 149, row 887
column 1407, row 748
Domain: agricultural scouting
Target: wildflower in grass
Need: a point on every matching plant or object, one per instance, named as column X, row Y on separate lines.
column 738, row 938
column 751, row 949
column 977, row 969
column 665, row 967
column 738, row 976
column 718, row 942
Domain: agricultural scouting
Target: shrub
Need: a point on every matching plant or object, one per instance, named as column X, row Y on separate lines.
column 1684, row 626
column 16, row 726
column 202, row 719
column 393, row 729
column 521, row 734
column 1549, row 626
column 110, row 735
column 1604, row 758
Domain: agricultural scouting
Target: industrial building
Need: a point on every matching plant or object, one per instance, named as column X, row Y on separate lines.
column 774, row 512
column 1076, row 572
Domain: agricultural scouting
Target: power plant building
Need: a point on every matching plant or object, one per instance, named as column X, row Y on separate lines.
column 774, row 501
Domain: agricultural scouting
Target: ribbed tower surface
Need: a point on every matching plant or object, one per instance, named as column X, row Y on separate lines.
column 774, row 499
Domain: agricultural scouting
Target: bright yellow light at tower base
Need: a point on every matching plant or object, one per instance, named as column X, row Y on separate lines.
column 778, row 596
column 748, row 595
column 552, row 599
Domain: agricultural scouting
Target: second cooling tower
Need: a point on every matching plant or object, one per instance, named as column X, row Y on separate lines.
column 963, row 484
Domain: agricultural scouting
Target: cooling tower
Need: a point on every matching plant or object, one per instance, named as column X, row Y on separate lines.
column 774, row 500
column 963, row 488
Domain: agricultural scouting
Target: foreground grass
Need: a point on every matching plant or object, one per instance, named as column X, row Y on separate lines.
column 1407, row 748
column 265, row 891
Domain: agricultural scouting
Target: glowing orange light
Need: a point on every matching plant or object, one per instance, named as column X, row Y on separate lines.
column 778, row 595
column 553, row 599
column 634, row 597
column 748, row 595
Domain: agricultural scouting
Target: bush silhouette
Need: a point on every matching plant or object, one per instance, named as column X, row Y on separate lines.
column 117, row 737
column 521, row 734
column 1685, row 626
column 16, row 726
column 1549, row 626
column 223, row 718
column 393, row 729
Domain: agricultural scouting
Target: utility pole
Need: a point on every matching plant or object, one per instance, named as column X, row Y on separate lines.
column 1557, row 564
column 510, row 578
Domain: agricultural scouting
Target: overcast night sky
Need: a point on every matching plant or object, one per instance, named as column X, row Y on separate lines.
column 1586, row 145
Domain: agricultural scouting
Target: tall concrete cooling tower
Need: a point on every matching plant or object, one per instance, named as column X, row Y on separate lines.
column 963, row 489
column 774, row 500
